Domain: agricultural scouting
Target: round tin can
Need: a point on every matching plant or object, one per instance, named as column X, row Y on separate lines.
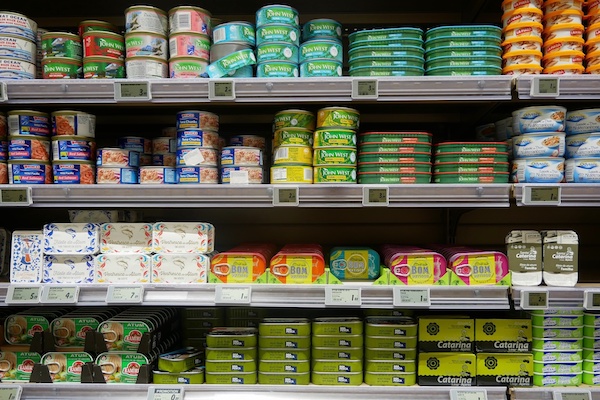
column 252, row 175
column 164, row 145
column 229, row 64
column 15, row 47
column 299, row 136
column 292, row 155
column 582, row 170
column 3, row 173
column 187, row 67
column 26, row 122
column 61, row 45
column 73, row 123
column 294, row 119
column 113, row 157
column 320, row 67
column 103, row 44
column 197, row 138
column 249, row 141
column 192, row 119
column 585, row 145
column 147, row 19
column 96, row 26
column 237, row 31
column 116, row 175
column 538, row 170
column 16, row 69
column 277, row 69
column 241, row 156
column 192, row 156
column 17, row 24
column 103, row 68
column 72, row 148
column 550, row 144
column 332, row 156
column 61, row 68
column 268, row 52
column 278, row 33
column 190, row 19
column 189, row 44
column 157, row 175
column 135, row 143
column 223, row 49
column 73, row 172
column 341, row 117
column 322, row 28
column 197, row 174
column 334, row 174
column 291, row 174
column 277, row 14
column 334, row 138
column 146, row 44
column 29, row 172
column 321, row 49
column 146, row 68
column 164, row 160
column 28, row 148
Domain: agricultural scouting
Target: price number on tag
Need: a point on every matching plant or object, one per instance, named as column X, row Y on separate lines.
column 591, row 299
column 341, row 297
column 221, row 90
column 467, row 394
column 233, row 295
column 23, row 294
column 572, row 395
column 15, row 197
column 286, row 196
column 365, row 89
column 125, row 294
column 3, row 92
column 133, row 91
column 10, row 392
column 541, row 195
column 411, row 297
column 155, row 393
column 545, row 87
column 60, row 294
column 534, row 300
column 376, row 196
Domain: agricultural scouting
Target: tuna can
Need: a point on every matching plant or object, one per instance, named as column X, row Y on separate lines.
column 139, row 144
column 17, row 24
column 294, row 119
column 335, row 174
column 538, row 170
column 103, row 44
column 292, row 155
column 320, row 68
column 241, row 156
column 73, row 123
column 582, row 170
column 190, row 19
column 146, row 19
column 187, row 67
column 295, row 136
column 96, row 26
column 291, row 174
column 3, row 173
column 220, row 50
column 197, row 175
column 61, row 68
column 189, row 44
column 113, row 157
column 146, row 44
column 146, row 68
column 103, row 68
column 197, row 138
column 539, row 119
column 28, row 148
column 322, row 29
column 16, row 69
column 252, row 175
column 249, row 141
column 585, row 145
column 230, row 63
column 268, row 52
column 321, row 49
column 192, row 119
column 164, row 145
column 539, row 145
column 72, row 148
column 334, row 156
column 73, row 172
column 166, row 160
column 277, row 69
column 237, row 31
column 338, row 117
column 29, row 172
column 334, row 138
column 157, row 175
column 583, row 121
column 25, row 122
column 192, row 156
column 116, row 175
column 277, row 14
column 61, row 45
column 15, row 47
column 278, row 33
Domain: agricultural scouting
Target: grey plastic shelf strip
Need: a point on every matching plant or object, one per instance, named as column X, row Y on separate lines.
column 571, row 87
column 557, row 296
column 546, row 393
column 572, row 194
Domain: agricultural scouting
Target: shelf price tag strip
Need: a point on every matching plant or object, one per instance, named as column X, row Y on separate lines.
column 545, row 86
column 365, row 89
column 378, row 196
column 133, row 91
column 468, row 394
column 343, row 297
column 10, row 392
column 405, row 297
column 233, row 295
column 221, row 90
column 125, row 294
column 165, row 393
column 591, row 299
column 3, row 92
column 287, row 196
column 60, row 295
column 542, row 195
column 572, row 394
column 23, row 294
column 534, row 299
column 16, row 197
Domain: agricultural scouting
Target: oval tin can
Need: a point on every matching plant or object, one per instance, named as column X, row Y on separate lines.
column 237, row 31
column 26, row 122
column 116, row 175
column 157, row 175
column 18, row 48
column 73, row 123
column 190, row 19
column 146, row 44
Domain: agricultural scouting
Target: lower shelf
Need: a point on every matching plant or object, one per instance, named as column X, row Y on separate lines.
column 547, row 393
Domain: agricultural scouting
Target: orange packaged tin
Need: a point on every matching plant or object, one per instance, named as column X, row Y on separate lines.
column 242, row 264
column 296, row 264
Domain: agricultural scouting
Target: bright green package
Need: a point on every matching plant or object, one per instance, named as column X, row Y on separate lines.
column 270, row 354
column 385, row 51
column 267, row 378
column 489, row 148
column 121, row 367
column 337, row 365
column 233, row 378
column 557, row 380
column 193, row 377
column 470, row 167
column 231, row 366
column 391, row 379
column 469, row 51
column 284, row 366
column 387, row 62
column 284, row 327
column 379, row 157
column 374, row 354
column 337, row 378
column 563, row 332
column 21, row 365
column 386, row 34
column 464, row 31
column 354, row 263
column 470, row 157
column 391, row 366
column 391, row 342
column 339, row 340
column 387, row 71
column 557, row 368
column 231, row 353
column 232, row 337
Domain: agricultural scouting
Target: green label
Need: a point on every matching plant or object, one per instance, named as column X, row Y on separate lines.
column 58, row 47
column 19, row 329
column 107, row 43
column 333, row 175
column 335, row 156
column 18, row 365
column 123, row 335
column 121, row 367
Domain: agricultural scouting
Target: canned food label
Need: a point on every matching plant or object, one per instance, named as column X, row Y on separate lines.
column 277, row 51
column 29, row 173
column 146, row 69
column 277, row 14
column 68, row 269
column 26, row 257
column 539, row 171
column 294, row 269
column 187, row 68
column 292, row 155
column 166, row 160
column 17, row 24
column 583, row 171
column 278, row 33
column 73, row 174
column 234, row 33
column 294, row 119
column 248, row 141
column 29, row 149
column 72, row 150
column 255, row 174
column 140, row 44
column 79, row 124
column 17, row 48
column 583, row 121
column 231, row 63
column 71, row 331
column 189, row 45
column 33, row 125
column 321, row 49
column 145, row 20
column 291, row 174
column 121, row 367
column 332, row 138
column 293, row 137
column 121, row 268
column 126, row 238
column 61, row 238
column 539, row 119
column 539, row 145
column 180, row 268
column 241, row 156
column 209, row 174
column 190, row 20
column 418, row 269
column 57, row 69
column 19, row 329
column 583, row 146
column 338, row 118
column 334, row 175
column 62, row 47
column 157, row 175
column 274, row 69
column 104, row 46
column 4, row 152
column 237, row 268
column 313, row 29
column 197, row 120
column 103, row 70
column 16, row 69
column 118, row 158
column 65, row 367
column 182, row 238
column 335, row 156
column 18, row 365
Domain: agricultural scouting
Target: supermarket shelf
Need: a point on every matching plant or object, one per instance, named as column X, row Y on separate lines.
column 267, row 90
column 557, row 296
column 223, row 196
column 571, row 87
column 571, row 195
column 305, row 296
column 546, row 393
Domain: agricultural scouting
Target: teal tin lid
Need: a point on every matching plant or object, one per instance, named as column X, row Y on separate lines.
column 386, row 34
column 388, row 42
column 385, row 51
column 464, row 31
column 401, row 61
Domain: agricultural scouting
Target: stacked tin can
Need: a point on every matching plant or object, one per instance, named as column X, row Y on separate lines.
column 557, row 347
column 522, row 29
column 146, row 46
column 244, row 173
column 3, row 149
column 592, row 44
column 232, row 52
column 390, row 352
column 321, row 52
column 591, row 355
column 284, row 351
column 277, row 40
column 394, row 157
column 103, row 50
column 29, row 147
column 73, row 147
column 563, row 45
column 62, row 55
column 463, row 50
column 387, row 52
column 292, row 147
column 337, row 351
column 189, row 41
column 18, row 48
column 160, row 168
column 231, row 356
column 539, row 144
column 115, row 165
column 197, row 156
column 471, row 162
column 582, row 146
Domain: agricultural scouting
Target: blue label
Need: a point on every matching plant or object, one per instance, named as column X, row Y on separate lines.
column 28, row 174
column 3, row 150
column 129, row 175
column 67, row 174
column 72, row 150
column 33, row 125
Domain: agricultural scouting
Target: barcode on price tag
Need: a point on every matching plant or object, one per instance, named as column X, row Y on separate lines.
column 8, row 392
column 404, row 297
column 165, row 393
column 572, row 394
column 125, row 294
column 60, row 294
column 343, row 297
column 133, row 91
column 3, row 92
column 468, row 394
column 23, row 294
column 233, row 295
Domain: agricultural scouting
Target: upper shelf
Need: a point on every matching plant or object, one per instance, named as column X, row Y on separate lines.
column 570, row 195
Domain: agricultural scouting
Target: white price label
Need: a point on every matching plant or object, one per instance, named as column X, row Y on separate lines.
column 468, row 394
column 221, row 90
column 23, row 294
column 3, row 92
column 286, row 196
column 591, row 299
column 125, row 294
column 534, row 299
column 376, row 196
column 365, row 89
column 60, row 294
column 572, row 394
column 133, row 91
column 16, row 197
column 404, row 297
column 541, row 195
column 238, row 177
column 545, row 86
column 165, row 393
column 233, row 295
column 340, row 297
column 10, row 392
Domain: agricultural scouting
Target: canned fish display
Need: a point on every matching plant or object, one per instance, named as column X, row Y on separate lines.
column 321, row 49
column 197, row 174
column 26, row 122
column 189, row 44
column 72, row 148
column 73, row 172
column 320, row 67
column 245, row 174
column 277, row 33
column 17, row 24
column 293, row 136
column 61, row 45
column 341, row 117
column 237, row 31
column 241, row 156
column 334, row 174
column 191, row 156
column 292, row 155
column 29, row 172
column 277, row 14
column 187, row 67
column 146, row 19
column 157, row 175
column 267, row 52
column 103, row 68
column 277, row 69
column 231, row 62
column 538, row 170
column 73, row 123
column 294, row 119
column 15, row 47
column 28, row 148
column 191, row 119
column 146, row 44
column 114, row 157
column 103, row 44
column 146, row 68
column 322, row 28
column 582, row 170
column 190, row 19
column 116, row 175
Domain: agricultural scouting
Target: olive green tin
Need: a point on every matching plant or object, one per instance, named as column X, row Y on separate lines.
column 284, row 327
column 334, row 174
column 232, row 337
column 464, row 31
column 215, row 354
column 337, row 365
column 292, row 136
column 460, row 42
column 379, row 157
column 392, row 178
column 385, row 34
column 331, row 156
column 337, row 378
column 387, row 62
column 395, row 137
column 339, row 340
column 236, row 378
column 337, row 325
column 269, row 378
column 387, row 342
column 376, row 353
column 379, row 147
column 231, row 366
column 397, row 168
column 390, row 326
column 337, row 353
column 270, row 354
column 469, row 51
column 393, row 379
column 180, row 360
column 334, row 137
column 449, row 177
column 387, row 71
column 471, row 167
column 284, row 366
column 391, row 366
column 470, row 157
column 453, row 61
column 284, row 342
column 480, row 70
column 400, row 43
column 294, row 119
column 193, row 377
